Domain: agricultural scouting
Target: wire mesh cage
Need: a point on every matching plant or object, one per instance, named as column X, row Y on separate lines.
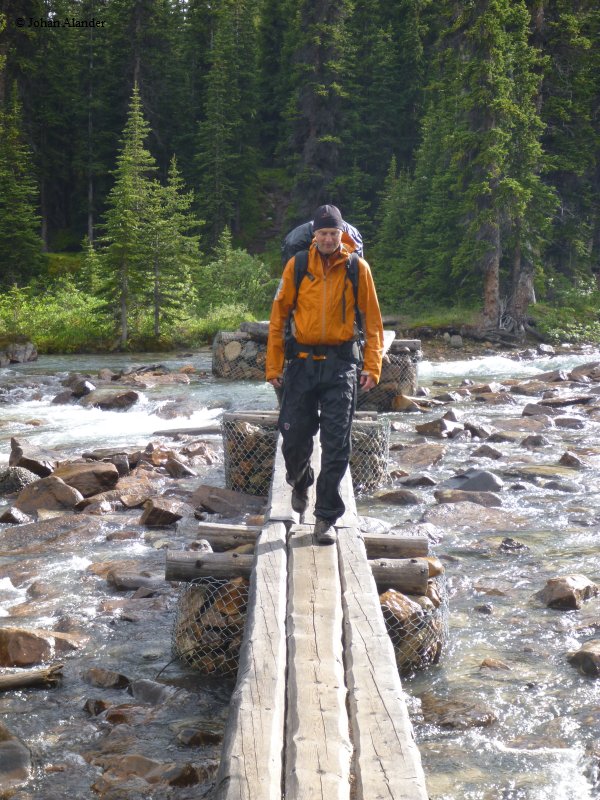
column 249, row 453
column 238, row 357
column 209, row 625
column 417, row 625
column 398, row 376
column 370, row 453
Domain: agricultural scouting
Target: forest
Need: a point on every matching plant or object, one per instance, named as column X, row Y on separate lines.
column 153, row 154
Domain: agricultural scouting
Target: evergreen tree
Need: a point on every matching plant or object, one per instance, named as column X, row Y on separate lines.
column 172, row 250
column 125, row 248
column 20, row 243
column 315, row 109
column 226, row 158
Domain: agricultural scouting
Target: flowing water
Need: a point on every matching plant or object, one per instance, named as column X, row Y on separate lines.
column 542, row 742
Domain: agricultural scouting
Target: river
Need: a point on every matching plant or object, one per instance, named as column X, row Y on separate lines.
column 541, row 743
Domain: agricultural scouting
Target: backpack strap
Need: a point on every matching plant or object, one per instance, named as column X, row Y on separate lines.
column 300, row 270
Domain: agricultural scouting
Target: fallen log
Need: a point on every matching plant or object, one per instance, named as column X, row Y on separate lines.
column 409, row 575
column 49, row 676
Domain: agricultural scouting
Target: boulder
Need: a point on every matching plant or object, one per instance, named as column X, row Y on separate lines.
column 587, row 658
column 225, row 501
column 529, row 388
column 24, row 648
column 487, row 499
column 14, row 516
column 457, row 713
column 399, row 497
column 567, row 591
column 569, row 459
column 177, row 469
column 486, row 451
column 475, row 480
column 40, row 462
column 110, row 399
column 105, row 678
column 50, row 493
column 534, row 440
column 17, row 350
column 471, row 516
column 419, row 480
column 13, row 479
column 573, row 423
column 420, row 456
column 15, row 761
column 442, row 428
column 89, row 478
column 159, row 511
column 539, row 410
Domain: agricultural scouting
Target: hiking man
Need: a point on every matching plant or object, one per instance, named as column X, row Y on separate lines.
column 323, row 352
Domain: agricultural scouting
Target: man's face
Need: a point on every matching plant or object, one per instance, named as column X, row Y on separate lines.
column 328, row 240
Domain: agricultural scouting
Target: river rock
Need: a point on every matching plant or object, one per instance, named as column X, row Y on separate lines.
column 563, row 486
column 15, row 761
column 159, row 511
column 486, row 451
column 14, row 516
column 442, row 428
column 419, row 480
column 105, row 678
column 534, row 440
column 110, row 399
column 420, row 456
column 475, row 480
column 529, row 388
column 127, row 581
column 530, row 472
column 573, row 423
column 13, row 479
column 567, row 591
column 539, row 410
column 89, row 478
column 399, row 497
column 225, row 501
column 50, row 493
column 569, row 459
column 25, row 648
column 457, row 713
column 534, row 424
column 58, row 532
column 459, row 516
column 177, row 469
column 401, row 402
column 478, row 431
column 63, row 398
column 41, row 462
column 487, row 499
column 587, row 658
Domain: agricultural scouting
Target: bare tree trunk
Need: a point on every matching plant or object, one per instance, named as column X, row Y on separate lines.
column 156, row 299
column 522, row 289
column 90, row 133
column 490, row 235
column 124, row 292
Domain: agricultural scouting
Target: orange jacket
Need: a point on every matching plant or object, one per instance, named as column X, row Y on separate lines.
column 318, row 315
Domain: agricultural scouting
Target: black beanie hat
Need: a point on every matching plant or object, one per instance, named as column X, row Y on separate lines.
column 327, row 217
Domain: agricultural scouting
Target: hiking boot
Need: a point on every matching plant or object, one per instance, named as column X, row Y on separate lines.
column 325, row 532
column 299, row 500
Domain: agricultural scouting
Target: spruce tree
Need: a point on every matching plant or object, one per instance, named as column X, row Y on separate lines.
column 20, row 243
column 172, row 250
column 125, row 247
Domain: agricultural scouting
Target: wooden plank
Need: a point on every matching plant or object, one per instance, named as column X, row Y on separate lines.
column 409, row 575
column 308, row 518
column 391, row 545
column 350, row 517
column 279, row 506
column 318, row 748
column 220, row 537
column 386, row 763
column 251, row 760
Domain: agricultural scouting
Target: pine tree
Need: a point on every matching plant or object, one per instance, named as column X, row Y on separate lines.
column 20, row 243
column 172, row 250
column 128, row 202
column 226, row 159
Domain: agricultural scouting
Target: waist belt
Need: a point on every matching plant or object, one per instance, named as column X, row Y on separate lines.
column 348, row 351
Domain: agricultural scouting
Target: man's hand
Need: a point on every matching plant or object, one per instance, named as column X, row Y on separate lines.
column 276, row 383
column 366, row 382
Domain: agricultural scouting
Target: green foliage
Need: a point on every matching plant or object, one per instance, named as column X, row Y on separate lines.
column 59, row 318
column 233, row 277
column 225, row 317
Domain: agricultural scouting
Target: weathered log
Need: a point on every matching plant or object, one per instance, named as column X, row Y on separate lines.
column 48, row 676
column 409, row 575
column 221, row 537
column 390, row 545
column 187, row 566
column 205, row 431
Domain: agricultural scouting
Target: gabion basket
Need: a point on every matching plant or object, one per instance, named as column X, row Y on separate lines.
column 398, row 376
column 417, row 626
column 370, row 453
column 209, row 625
column 249, row 454
column 238, row 357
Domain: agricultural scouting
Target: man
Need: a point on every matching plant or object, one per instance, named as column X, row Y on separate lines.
column 320, row 379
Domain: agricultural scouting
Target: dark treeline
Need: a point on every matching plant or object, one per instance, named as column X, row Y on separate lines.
column 460, row 137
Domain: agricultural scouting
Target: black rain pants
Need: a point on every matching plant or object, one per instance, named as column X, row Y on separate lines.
column 318, row 394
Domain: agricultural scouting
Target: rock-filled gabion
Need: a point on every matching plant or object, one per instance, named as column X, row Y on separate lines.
column 417, row 625
column 249, row 454
column 209, row 625
column 398, row 376
column 240, row 355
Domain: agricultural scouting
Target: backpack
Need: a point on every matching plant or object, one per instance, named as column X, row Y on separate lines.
column 300, row 238
column 300, row 272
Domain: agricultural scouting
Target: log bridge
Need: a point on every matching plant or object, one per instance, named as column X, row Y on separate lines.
column 318, row 710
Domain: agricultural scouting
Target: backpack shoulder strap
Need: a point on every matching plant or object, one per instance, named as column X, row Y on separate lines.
column 352, row 268
column 300, row 270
